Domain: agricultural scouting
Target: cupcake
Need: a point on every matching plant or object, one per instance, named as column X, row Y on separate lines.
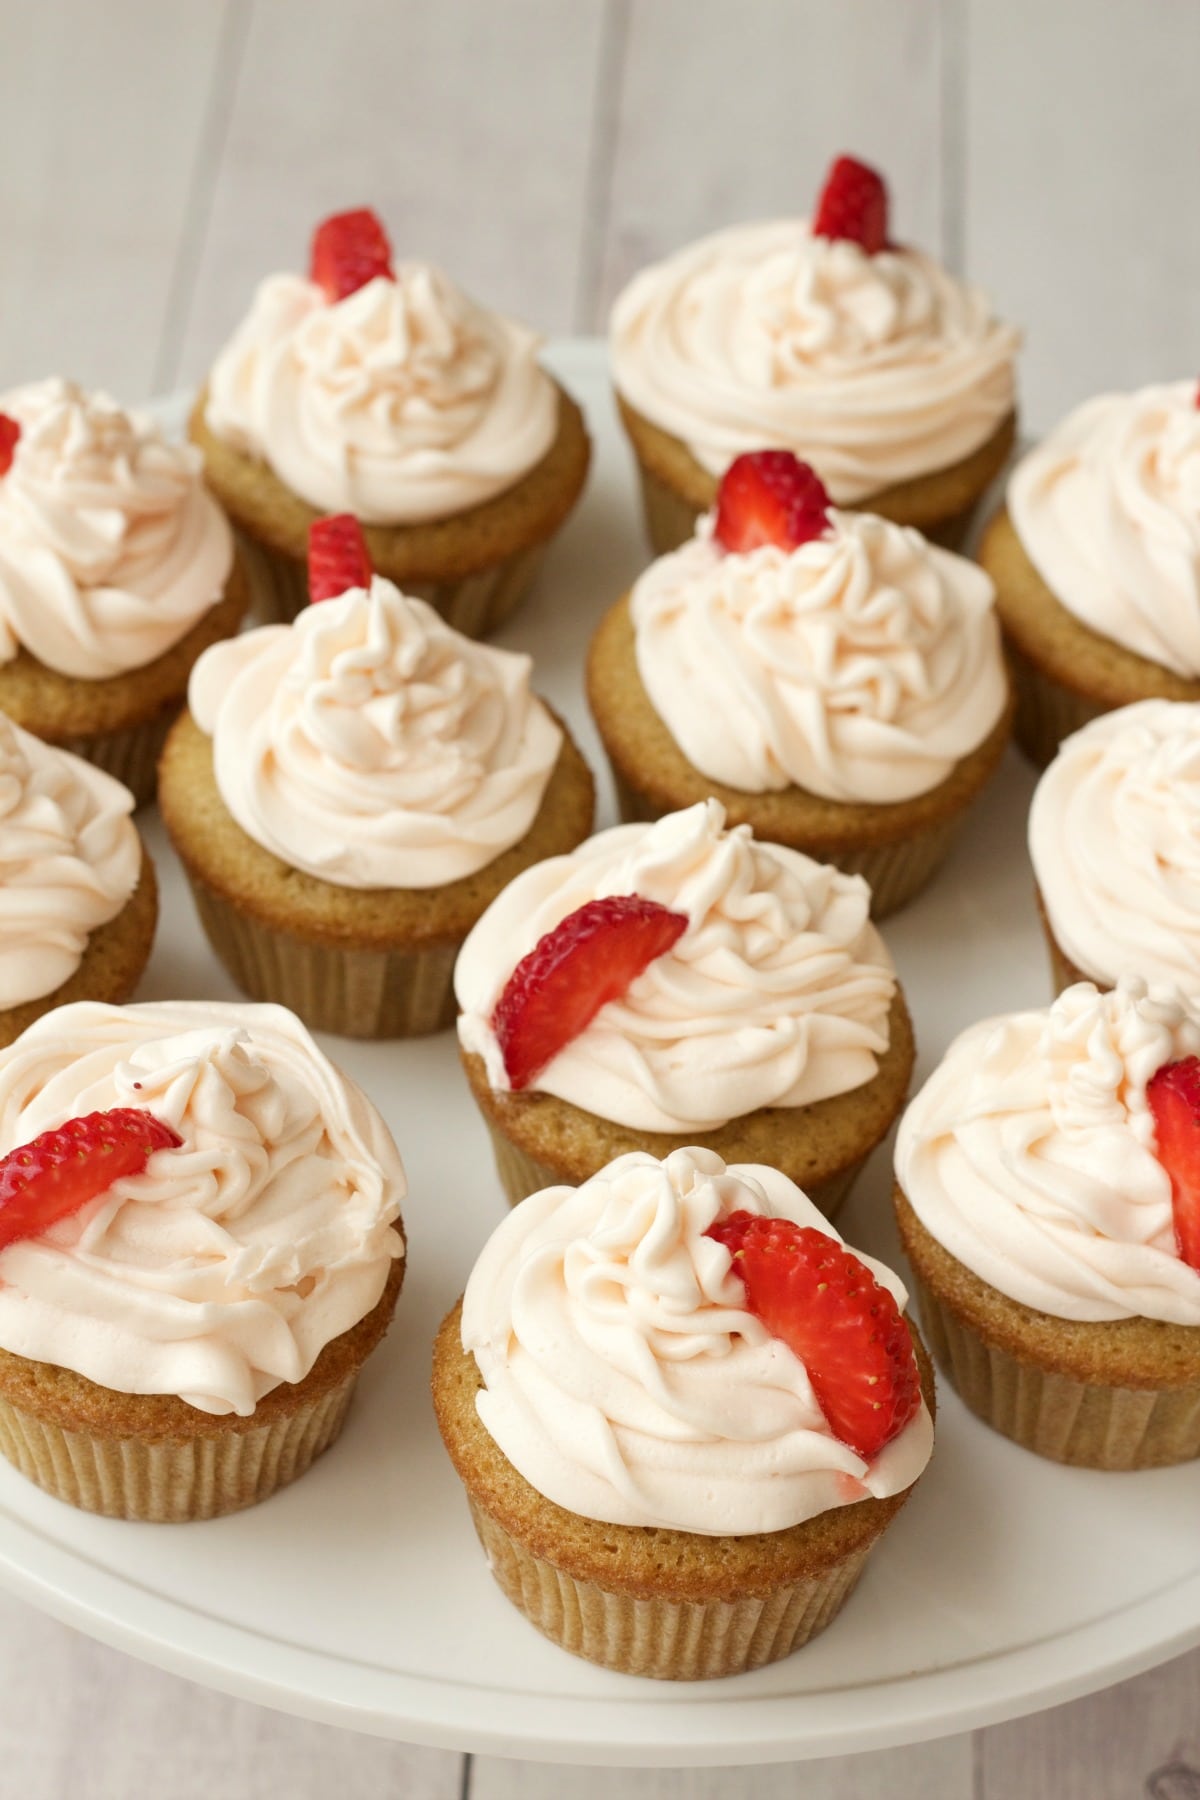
column 348, row 793
column 116, row 571
column 864, row 357
column 834, row 679
column 680, row 984
column 1048, row 1194
column 386, row 392
column 683, row 1413
column 200, row 1247
column 1096, row 561
column 1114, row 837
column 78, row 898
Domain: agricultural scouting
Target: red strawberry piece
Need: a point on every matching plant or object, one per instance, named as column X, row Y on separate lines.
column 590, row 958
column 338, row 558
column 1195, row 402
column 348, row 250
column 10, row 432
column 829, row 1309
column 63, row 1169
column 770, row 497
column 1174, row 1095
column 853, row 204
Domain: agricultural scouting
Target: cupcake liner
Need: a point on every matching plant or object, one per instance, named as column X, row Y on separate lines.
column 1068, row 1421
column 669, row 1640
column 171, row 1481
column 475, row 604
column 352, row 993
column 130, row 755
column 1046, row 712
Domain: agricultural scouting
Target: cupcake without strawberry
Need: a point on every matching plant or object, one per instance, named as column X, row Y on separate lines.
column 1048, row 1198
column 754, row 1384
column 834, row 679
column 116, row 570
column 824, row 337
column 380, row 389
column 348, row 794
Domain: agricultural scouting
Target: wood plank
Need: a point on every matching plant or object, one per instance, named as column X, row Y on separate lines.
column 1083, row 141
column 104, row 109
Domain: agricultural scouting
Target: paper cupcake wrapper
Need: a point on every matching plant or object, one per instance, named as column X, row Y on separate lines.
column 669, row 1640
column 1068, row 1421
column 167, row 1483
column 475, row 605
column 1046, row 712
column 352, row 993
column 130, row 755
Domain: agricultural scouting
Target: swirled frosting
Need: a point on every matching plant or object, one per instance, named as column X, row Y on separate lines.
column 111, row 548
column 861, row 666
column 372, row 746
column 623, row 1376
column 405, row 401
column 777, row 994
column 1029, row 1154
column 70, row 858
column 1107, row 509
column 1114, row 835
column 874, row 369
column 232, row 1261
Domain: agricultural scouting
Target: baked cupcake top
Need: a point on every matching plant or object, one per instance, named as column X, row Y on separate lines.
column 372, row 746
column 1114, row 836
column 775, row 989
column 1107, row 509
column 874, row 364
column 111, row 547
column 1032, row 1155
column 626, row 1378
column 384, row 392
column 70, row 858
column 228, row 1265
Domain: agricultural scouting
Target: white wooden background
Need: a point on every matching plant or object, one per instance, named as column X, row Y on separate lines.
column 159, row 157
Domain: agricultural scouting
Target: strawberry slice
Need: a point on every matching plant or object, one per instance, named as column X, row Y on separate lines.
column 62, row 1170
column 769, row 497
column 338, row 558
column 1174, row 1096
column 853, row 204
column 829, row 1309
column 10, row 432
column 590, row 958
column 348, row 250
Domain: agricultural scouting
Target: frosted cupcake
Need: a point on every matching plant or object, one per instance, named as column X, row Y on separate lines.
column 835, row 680
column 200, row 1247
column 683, row 1412
column 676, row 985
column 1096, row 561
column 824, row 337
column 116, row 571
column 382, row 390
column 1049, row 1204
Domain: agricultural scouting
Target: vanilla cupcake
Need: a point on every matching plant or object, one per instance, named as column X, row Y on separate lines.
column 1096, row 561
column 116, row 571
column 767, row 1025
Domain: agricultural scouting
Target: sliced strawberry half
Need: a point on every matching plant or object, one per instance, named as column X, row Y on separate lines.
column 846, row 1329
column 338, row 558
column 853, row 204
column 62, row 1170
column 770, row 497
column 348, row 250
column 590, row 958
column 10, row 432
column 1174, row 1096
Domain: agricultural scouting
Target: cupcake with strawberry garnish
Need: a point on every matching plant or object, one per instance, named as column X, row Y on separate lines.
column 380, row 389
column 834, row 679
column 348, row 793
column 681, row 984
column 762, row 1404
column 823, row 337
column 1048, row 1197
